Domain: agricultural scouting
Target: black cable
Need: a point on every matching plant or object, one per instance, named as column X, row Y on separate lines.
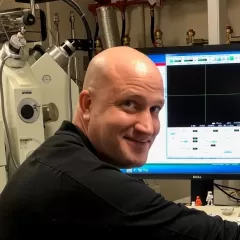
column 152, row 24
column 96, row 31
column 218, row 186
column 77, row 8
column 123, row 26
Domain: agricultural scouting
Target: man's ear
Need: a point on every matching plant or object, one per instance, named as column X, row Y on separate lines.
column 85, row 102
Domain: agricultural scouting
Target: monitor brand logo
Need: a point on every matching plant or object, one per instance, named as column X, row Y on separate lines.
column 197, row 177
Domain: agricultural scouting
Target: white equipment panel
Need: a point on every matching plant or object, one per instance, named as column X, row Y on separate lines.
column 3, row 174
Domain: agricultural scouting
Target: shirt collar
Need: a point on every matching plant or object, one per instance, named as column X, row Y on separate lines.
column 69, row 127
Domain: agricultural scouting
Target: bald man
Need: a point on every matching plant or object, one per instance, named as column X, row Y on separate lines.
column 71, row 187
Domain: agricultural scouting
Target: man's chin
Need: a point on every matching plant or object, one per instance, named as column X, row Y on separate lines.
column 134, row 163
column 126, row 161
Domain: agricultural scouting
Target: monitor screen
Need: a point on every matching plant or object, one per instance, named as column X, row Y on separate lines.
column 200, row 121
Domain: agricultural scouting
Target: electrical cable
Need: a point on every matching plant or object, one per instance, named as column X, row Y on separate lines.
column 152, row 24
column 96, row 30
column 123, row 26
column 4, row 113
column 220, row 187
column 77, row 8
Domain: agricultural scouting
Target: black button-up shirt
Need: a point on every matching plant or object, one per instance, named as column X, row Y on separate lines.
column 63, row 190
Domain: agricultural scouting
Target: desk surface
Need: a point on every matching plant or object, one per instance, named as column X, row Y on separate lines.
column 217, row 210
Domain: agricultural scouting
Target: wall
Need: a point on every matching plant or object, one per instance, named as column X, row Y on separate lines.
column 174, row 18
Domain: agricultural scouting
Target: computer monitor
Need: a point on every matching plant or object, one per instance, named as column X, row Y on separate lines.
column 200, row 121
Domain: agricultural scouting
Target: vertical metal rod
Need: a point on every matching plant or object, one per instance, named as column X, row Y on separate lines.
column 217, row 19
column 75, row 59
column 48, row 13
column 56, row 21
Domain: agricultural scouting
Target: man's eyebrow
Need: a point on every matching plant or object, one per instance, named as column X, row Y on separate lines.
column 133, row 94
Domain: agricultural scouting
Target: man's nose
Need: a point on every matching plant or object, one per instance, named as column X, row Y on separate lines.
column 145, row 123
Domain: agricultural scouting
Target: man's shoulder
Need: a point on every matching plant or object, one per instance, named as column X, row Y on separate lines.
column 68, row 154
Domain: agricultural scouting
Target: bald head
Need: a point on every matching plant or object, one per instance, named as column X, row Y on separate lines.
column 112, row 63
column 119, row 105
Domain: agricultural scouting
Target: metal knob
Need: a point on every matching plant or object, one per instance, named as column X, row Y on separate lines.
column 50, row 113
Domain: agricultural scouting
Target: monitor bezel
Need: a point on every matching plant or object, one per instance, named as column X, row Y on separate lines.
column 191, row 49
column 188, row 49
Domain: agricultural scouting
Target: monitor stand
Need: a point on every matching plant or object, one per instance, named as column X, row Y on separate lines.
column 200, row 188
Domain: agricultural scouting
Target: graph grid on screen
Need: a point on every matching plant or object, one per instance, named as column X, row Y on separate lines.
column 202, row 95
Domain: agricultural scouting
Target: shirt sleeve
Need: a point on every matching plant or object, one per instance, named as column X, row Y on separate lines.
column 145, row 211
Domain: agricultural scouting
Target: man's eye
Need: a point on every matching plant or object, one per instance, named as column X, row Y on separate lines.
column 129, row 104
column 155, row 109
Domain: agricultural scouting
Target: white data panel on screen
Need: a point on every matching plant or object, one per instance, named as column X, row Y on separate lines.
column 203, row 142
column 157, row 152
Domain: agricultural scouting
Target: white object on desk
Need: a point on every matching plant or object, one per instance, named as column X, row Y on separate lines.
column 227, row 211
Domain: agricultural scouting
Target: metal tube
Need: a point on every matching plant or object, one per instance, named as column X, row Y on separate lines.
column 32, row 5
column 108, row 26
column 14, row 12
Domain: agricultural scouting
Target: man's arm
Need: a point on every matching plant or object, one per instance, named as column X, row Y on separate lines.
column 143, row 211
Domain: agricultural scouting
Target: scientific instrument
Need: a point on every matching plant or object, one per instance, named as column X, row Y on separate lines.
column 24, row 114
column 59, row 93
column 73, row 4
column 21, row 102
